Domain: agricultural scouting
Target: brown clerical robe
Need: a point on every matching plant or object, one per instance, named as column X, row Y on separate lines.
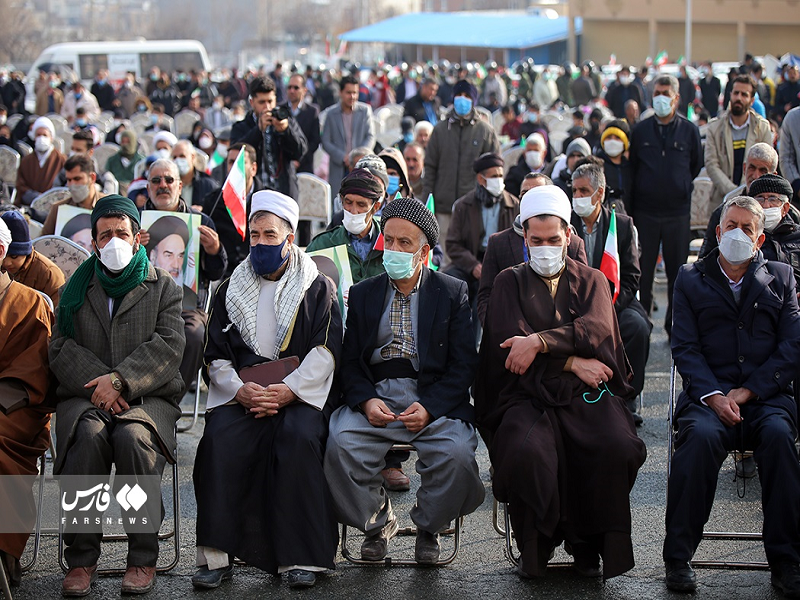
column 42, row 274
column 565, row 457
column 24, row 433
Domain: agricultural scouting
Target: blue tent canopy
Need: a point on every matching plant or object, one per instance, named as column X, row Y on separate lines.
column 485, row 29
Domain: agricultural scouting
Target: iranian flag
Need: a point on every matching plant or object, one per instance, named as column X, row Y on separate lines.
column 234, row 194
column 609, row 266
column 431, row 207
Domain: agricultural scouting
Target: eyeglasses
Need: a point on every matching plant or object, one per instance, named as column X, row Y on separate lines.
column 770, row 201
column 294, row 87
column 167, row 179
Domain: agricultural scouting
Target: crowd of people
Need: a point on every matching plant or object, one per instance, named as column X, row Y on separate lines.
column 507, row 301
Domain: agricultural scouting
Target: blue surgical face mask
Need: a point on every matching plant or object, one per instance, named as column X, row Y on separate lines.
column 662, row 106
column 394, row 185
column 267, row 259
column 408, row 137
column 462, row 105
column 81, row 122
column 399, row 265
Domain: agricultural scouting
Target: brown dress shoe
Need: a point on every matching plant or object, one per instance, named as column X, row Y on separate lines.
column 78, row 581
column 395, row 480
column 138, row 580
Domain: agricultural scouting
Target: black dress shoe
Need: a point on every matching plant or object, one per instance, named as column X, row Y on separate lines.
column 299, row 578
column 208, row 579
column 426, row 549
column 587, row 561
column 680, row 576
column 786, row 577
column 376, row 546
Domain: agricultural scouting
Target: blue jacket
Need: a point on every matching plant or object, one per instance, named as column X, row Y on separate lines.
column 719, row 345
column 664, row 167
column 445, row 344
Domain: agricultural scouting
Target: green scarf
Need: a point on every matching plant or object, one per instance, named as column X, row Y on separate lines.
column 116, row 287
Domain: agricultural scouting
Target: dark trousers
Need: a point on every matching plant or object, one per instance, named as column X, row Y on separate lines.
column 635, row 328
column 702, row 444
column 99, row 441
column 194, row 326
column 672, row 235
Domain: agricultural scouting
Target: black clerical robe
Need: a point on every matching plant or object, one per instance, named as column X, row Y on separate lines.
column 261, row 492
column 565, row 457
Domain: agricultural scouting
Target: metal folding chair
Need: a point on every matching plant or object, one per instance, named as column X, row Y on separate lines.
column 404, row 531
column 195, row 412
column 741, row 536
column 174, row 534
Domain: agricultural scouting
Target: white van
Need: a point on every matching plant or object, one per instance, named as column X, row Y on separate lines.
column 83, row 59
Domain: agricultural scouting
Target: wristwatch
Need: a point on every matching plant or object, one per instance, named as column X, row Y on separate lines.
column 116, row 382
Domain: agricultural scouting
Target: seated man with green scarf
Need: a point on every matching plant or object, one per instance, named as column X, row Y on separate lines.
column 116, row 350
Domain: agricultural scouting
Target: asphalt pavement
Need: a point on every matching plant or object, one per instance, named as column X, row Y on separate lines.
column 481, row 569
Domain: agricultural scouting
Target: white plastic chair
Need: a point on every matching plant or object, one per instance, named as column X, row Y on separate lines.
column 314, row 200
column 102, row 153
column 66, row 254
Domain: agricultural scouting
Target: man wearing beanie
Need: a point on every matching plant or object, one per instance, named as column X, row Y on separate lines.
column 115, row 351
column 614, row 144
column 407, row 363
column 454, row 145
column 481, row 213
column 550, row 391
column 26, row 266
column 25, row 322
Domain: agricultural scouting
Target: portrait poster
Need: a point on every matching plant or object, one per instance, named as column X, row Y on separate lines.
column 74, row 223
column 173, row 244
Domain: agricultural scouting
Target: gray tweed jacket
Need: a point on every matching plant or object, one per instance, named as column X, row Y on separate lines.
column 143, row 343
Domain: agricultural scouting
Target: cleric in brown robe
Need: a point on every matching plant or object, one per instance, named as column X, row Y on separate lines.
column 561, row 440
column 24, row 425
column 25, row 265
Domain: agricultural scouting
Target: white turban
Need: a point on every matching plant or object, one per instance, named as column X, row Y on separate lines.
column 46, row 123
column 164, row 136
column 545, row 200
column 278, row 204
column 5, row 238
column 537, row 137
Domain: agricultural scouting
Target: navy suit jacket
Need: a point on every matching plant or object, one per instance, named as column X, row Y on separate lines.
column 719, row 345
column 445, row 344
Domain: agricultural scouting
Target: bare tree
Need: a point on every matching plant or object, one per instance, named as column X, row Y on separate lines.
column 20, row 32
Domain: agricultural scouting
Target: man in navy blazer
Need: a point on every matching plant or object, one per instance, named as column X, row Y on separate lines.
column 736, row 343
column 408, row 361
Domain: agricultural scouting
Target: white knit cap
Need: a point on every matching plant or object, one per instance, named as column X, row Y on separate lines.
column 46, row 123
column 164, row 136
column 5, row 238
column 545, row 200
column 278, row 204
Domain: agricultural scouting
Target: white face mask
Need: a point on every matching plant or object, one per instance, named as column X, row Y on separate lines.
column 533, row 158
column 613, row 147
column 583, row 207
column 772, row 216
column 79, row 193
column 43, row 144
column 662, row 106
column 355, row 224
column 736, row 247
column 116, row 254
column 546, row 260
column 222, row 149
column 495, row 185
column 205, row 143
column 183, row 166
column 163, row 153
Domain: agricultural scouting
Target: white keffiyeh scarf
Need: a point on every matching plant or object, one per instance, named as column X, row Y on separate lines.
column 241, row 300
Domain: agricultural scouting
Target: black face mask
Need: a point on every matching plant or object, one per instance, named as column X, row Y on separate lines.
column 4, row 141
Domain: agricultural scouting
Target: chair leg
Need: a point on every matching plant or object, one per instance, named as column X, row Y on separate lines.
column 4, row 586
column 37, row 532
column 194, row 412
column 496, row 519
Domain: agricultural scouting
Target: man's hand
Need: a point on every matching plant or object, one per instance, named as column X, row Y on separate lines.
column 209, row 240
column 280, row 126
column 591, row 371
column 377, row 413
column 415, row 417
column 251, row 395
column 144, row 237
column 741, row 395
column 278, row 395
column 476, row 272
column 726, row 408
column 523, row 352
column 105, row 397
